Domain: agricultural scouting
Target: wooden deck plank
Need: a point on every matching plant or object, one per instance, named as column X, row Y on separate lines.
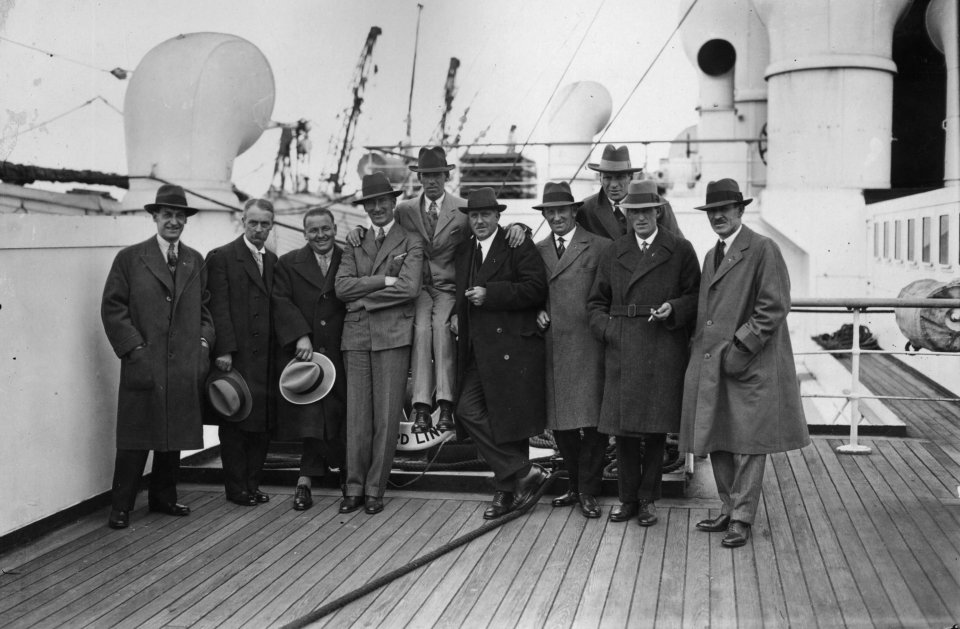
column 941, row 470
column 773, row 604
column 723, row 604
column 648, row 588
column 598, row 571
column 623, row 582
column 696, row 590
column 747, row 586
column 673, row 572
column 935, row 479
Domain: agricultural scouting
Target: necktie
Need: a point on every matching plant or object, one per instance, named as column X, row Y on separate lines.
column 324, row 264
column 432, row 218
column 560, row 247
column 172, row 258
column 380, row 237
column 620, row 217
column 259, row 258
column 643, row 249
column 477, row 262
column 718, row 254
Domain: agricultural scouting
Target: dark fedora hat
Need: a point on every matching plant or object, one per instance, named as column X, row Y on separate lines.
column 614, row 160
column 723, row 192
column 229, row 395
column 642, row 194
column 374, row 186
column 172, row 196
column 557, row 195
column 306, row 381
column 482, row 199
column 432, row 160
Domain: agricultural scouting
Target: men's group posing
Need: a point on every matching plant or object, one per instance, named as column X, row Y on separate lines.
column 606, row 327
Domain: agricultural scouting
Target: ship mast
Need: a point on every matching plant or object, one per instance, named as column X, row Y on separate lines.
column 449, row 92
column 413, row 76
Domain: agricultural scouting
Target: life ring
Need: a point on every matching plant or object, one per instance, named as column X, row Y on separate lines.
column 408, row 441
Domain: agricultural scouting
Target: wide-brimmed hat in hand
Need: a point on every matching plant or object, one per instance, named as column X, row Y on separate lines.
column 229, row 395
column 307, row 381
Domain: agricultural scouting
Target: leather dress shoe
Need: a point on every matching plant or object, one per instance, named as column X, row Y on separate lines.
column 244, row 500
column 261, row 497
column 118, row 519
column 372, row 505
column 623, row 512
column 528, row 486
column 350, row 504
column 714, row 525
column 565, row 500
column 302, row 500
column 445, row 423
column 170, row 508
column 422, row 422
column 648, row 513
column 737, row 534
column 501, row 505
column 589, row 507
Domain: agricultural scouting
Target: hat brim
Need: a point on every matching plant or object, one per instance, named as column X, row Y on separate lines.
column 597, row 168
column 641, row 206
column 550, row 204
column 329, row 379
column 498, row 207
column 710, row 206
column 392, row 193
column 153, row 208
column 235, row 376
column 433, row 169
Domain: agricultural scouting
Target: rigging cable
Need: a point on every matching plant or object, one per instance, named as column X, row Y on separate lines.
column 17, row 134
column 117, row 72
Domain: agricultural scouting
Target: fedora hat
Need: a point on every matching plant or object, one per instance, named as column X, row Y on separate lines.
column 557, row 195
column 374, row 186
column 723, row 192
column 229, row 395
column 306, row 381
column 432, row 160
column 482, row 199
column 173, row 196
column 642, row 194
column 614, row 160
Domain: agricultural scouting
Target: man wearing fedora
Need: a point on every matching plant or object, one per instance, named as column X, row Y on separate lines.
column 642, row 307
column 602, row 213
column 574, row 368
column 379, row 281
column 241, row 280
column 741, row 397
column 155, row 315
column 308, row 319
column 500, row 354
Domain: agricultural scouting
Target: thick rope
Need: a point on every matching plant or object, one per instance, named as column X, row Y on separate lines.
column 379, row 582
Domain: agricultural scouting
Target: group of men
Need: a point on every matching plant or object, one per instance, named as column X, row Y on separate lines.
column 589, row 333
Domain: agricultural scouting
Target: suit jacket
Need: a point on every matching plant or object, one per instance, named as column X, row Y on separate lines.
column 645, row 360
column 240, row 306
column 596, row 216
column 304, row 303
column 574, row 356
column 746, row 402
column 438, row 250
column 502, row 334
column 379, row 316
column 159, row 402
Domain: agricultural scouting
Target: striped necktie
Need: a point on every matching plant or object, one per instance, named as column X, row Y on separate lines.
column 172, row 258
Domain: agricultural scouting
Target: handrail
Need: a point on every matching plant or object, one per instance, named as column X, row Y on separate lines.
column 851, row 303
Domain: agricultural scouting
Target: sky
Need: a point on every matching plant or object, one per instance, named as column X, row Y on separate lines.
column 513, row 55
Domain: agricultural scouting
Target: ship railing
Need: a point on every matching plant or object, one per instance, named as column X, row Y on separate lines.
column 857, row 307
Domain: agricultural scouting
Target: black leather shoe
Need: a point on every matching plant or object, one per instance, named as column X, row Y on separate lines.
column 589, row 507
column 445, row 423
column 170, row 508
column 302, row 500
column 372, row 505
column 244, row 500
column 565, row 500
column 501, row 505
column 648, row 513
column 623, row 512
column 422, row 422
column 118, row 519
column 350, row 504
column 714, row 525
column 737, row 534
column 261, row 497
column 528, row 486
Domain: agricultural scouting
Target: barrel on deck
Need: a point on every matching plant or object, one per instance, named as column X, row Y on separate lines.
column 935, row 329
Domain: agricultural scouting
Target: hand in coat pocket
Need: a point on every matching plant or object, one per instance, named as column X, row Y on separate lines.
column 135, row 370
column 736, row 360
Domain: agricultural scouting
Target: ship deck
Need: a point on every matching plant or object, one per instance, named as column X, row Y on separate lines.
column 840, row 540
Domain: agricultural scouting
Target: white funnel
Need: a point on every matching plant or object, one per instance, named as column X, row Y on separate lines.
column 580, row 111
column 943, row 30
column 194, row 103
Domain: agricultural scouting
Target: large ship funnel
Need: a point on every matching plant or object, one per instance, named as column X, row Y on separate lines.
column 580, row 111
column 194, row 103
column 942, row 26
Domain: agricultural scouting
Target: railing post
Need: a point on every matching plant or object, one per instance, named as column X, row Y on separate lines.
column 853, row 447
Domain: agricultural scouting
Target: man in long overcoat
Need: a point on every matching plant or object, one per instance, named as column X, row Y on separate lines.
column 155, row 314
column 500, row 351
column 240, row 280
column 574, row 376
column 642, row 307
column 741, row 397
column 308, row 318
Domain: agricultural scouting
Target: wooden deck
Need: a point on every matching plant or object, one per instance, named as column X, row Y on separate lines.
column 840, row 541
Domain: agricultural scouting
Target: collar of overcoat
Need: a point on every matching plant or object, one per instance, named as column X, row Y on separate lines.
column 495, row 257
column 305, row 263
column 732, row 258
column 245, row 258
column 607, row 217
column 392, row 239
column 575, row 249
column 157, row 265
column 659, row 252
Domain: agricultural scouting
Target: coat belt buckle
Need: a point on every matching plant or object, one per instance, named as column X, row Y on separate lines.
column 632, row 310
